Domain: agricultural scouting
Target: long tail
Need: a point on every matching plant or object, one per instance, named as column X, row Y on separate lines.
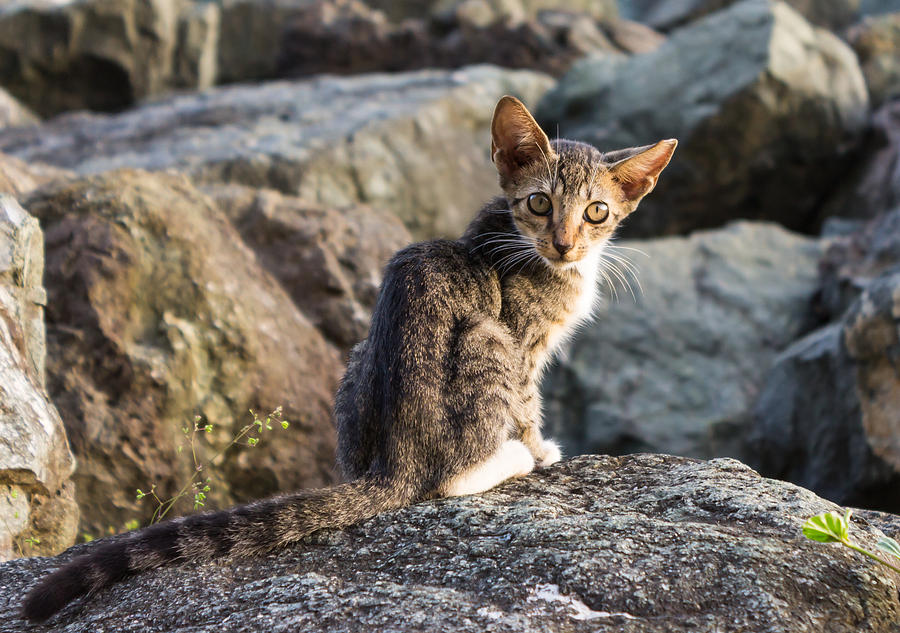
column 256, row 528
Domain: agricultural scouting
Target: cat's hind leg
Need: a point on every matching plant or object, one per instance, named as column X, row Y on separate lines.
column 512, row 459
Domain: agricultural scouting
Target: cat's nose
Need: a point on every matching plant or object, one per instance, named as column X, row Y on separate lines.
column 562, row 247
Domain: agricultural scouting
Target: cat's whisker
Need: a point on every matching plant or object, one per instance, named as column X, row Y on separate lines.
column 626, row 263
column 627, row 248
column 629, row 268
column 532, row 256
column 616, row 274
column 511, row 260
column 609, row 283
column 615, row 270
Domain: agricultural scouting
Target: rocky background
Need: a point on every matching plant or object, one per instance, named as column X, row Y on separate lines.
column 198, row 199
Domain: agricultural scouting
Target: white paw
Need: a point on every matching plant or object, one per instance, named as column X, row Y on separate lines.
column 551, row 455
column 517, row 458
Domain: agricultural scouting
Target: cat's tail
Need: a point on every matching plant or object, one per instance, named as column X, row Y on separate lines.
column 255, row 528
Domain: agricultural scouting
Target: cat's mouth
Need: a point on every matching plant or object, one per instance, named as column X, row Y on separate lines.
column 561, row 262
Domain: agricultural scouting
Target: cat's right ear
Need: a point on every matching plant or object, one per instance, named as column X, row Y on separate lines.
column 516, row 138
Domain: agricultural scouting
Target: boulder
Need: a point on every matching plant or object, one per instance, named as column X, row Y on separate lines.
column 641, row 543
column 38, row 514
column 415, row 144
column 827, row 417
column 492, row 10
column 13, row 113
column 872, row 186
column 669, row 14
column 104, row 54
column 349, row 38
column 18, row 177
column 678, row 368
column 876, row 41
column 767, row 108
column 852, row 261
column 330, row 261
column 159, row 315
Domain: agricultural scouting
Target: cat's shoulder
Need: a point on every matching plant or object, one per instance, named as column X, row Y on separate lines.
column 444, row 270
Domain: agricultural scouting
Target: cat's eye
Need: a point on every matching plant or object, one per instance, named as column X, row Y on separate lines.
column 539, row 204
column 596, row 212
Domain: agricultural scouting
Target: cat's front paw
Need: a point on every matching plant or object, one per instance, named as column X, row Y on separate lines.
column 550, row 454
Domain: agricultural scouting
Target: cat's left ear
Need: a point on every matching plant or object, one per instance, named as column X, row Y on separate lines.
column 637, row 175
column 516, row 138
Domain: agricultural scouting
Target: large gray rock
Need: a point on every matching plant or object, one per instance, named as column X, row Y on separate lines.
column 638, row 544
column 416, row 144
column 104, row 54
column 766, row 108
column 37, row 510
column 827, row 417
column 678, row 369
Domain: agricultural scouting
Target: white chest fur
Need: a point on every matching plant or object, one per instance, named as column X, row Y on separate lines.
column 583, row 307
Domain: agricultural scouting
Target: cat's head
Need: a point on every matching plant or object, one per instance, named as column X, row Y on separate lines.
column 568, row 197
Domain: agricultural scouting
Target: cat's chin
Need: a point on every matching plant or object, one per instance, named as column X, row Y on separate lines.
column 561, row 264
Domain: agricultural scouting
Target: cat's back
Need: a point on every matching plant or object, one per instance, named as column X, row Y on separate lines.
column 436, row 282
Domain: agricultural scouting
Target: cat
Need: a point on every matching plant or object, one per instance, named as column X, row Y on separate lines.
column 442, row 397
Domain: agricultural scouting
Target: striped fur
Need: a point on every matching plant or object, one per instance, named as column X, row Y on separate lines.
column 442, row 397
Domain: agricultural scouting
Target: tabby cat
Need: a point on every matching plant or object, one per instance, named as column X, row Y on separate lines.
column 442, row 398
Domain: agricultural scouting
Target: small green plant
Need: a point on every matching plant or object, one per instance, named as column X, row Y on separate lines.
column 831, row 527
column 199, row 484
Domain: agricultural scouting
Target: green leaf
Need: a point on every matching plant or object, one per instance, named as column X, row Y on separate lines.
column 284, row 424
column 828, row 527
column 889, row 545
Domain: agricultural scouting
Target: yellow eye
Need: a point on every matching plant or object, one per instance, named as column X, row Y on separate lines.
column 539, row 204
column 596, row 212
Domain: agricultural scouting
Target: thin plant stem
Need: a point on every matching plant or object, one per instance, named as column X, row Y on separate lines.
column 861, row 550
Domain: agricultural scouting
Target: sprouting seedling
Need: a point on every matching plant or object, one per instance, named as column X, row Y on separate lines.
column 831, row 527
column 199, row 484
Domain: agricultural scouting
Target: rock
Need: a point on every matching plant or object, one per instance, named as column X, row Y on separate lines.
column 851, row 262
column 13, row 113
column 827, row 417
column 670, row 14
column 872, row 186
column 766, row 107
column 329, row 260
column 633, row 37
column 349, row 38
column 158, row 313
column 37, row 511
column 415, row 144
column 678, row 369
column 876, row 42
column 252, row 35
column 104, row 54
column 18, row 177
column 680, row 545
column 493, row 10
